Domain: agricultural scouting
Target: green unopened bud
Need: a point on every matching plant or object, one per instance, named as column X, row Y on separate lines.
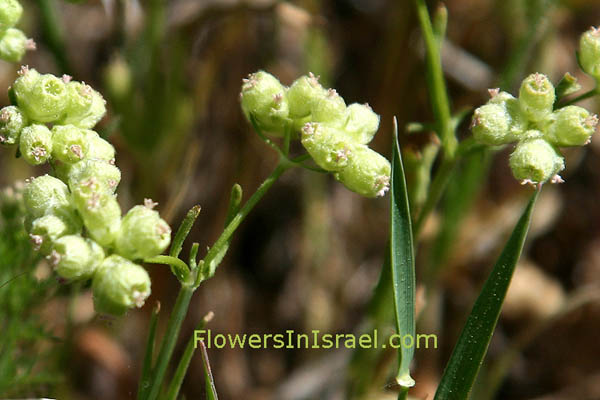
column 330, row 109
column 69, row 143
column 328, row 146
column 535, row 161
column 143, row 233
column 119, row 285
column 100, row 212
column 303, row 93
column 94, row 176
column 79, row 102
column 589, row 52
column 98, row 148
column 536, row 97
column 571, row 126
column 35, row 144
column 45, row 194
column 46, row 230
column 491, row 125
column 14, row 44
column 45, row 101
column 95, row 112
column 264, row 97
column 10, row 13
column 367, row 172
column 71, row 257
column 25, row 83
column 12, row 122
column 361, row 123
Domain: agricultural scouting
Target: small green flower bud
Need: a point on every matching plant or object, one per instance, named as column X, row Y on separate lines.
column 264, row 97
column 85, row 110
column 45, row 101
column 69, row 143
column 71, row 257
column 79, row 102
column 118, row 79
column 44, row 195
column 14, row 44
column 491, row 125
column 571, row 126
column 100, row 212
column 98, row 148
column 10, row 13
column 361, row 122
column 12, row 122
column 119, row 285
column 367, row 173
column 24, row 84
column 46, row 230
column 143, row 233
column 94, row 176
column 535, row 161
column 303, row 93
column 35, row 144
column 536, row 97
column 330, row 109
column 589, row 52
column 328, row 146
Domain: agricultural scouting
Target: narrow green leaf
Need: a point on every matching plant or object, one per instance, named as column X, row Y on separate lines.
column 184, row 363
column 211, row 391
column 184, row 230
column 468, row 354
column 144, row 385
column 235, row 200
column 402, row 264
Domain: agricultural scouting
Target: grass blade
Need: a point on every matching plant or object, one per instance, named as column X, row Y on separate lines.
column 211, row 391
column 184, row 363
column 149, row 355
column 468, row 354
column 402, row 264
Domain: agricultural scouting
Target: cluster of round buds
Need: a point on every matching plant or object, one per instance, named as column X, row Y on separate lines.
column 538, row 131
column 13, row 42
column 335, row 135
column 72, row 216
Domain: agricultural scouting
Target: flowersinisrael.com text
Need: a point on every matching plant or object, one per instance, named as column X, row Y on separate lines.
column 313, row 340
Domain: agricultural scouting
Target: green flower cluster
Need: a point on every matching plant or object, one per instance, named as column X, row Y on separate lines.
column 335, row 135
column 74, row 218
column 13, row 42
column 538, row 130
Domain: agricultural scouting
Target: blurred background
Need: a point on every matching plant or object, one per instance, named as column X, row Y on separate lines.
column 310, row 254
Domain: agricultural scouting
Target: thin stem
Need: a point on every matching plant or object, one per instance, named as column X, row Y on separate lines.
column 179, row 268
column 53, row 34
column 209, row 260
column 436, row 83
column 581, row 97
column 168, row 343
column 435, row 193
column 149, row 355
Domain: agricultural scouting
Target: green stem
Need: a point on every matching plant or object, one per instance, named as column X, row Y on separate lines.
column 184, row 363
column 53, row 34
column 181, row 269
column 581, row 97
column 169, row 340
column 211, row 260
column 436, row 83
column 437, row 189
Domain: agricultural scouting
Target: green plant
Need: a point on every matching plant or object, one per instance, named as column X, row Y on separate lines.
column 13, row 42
